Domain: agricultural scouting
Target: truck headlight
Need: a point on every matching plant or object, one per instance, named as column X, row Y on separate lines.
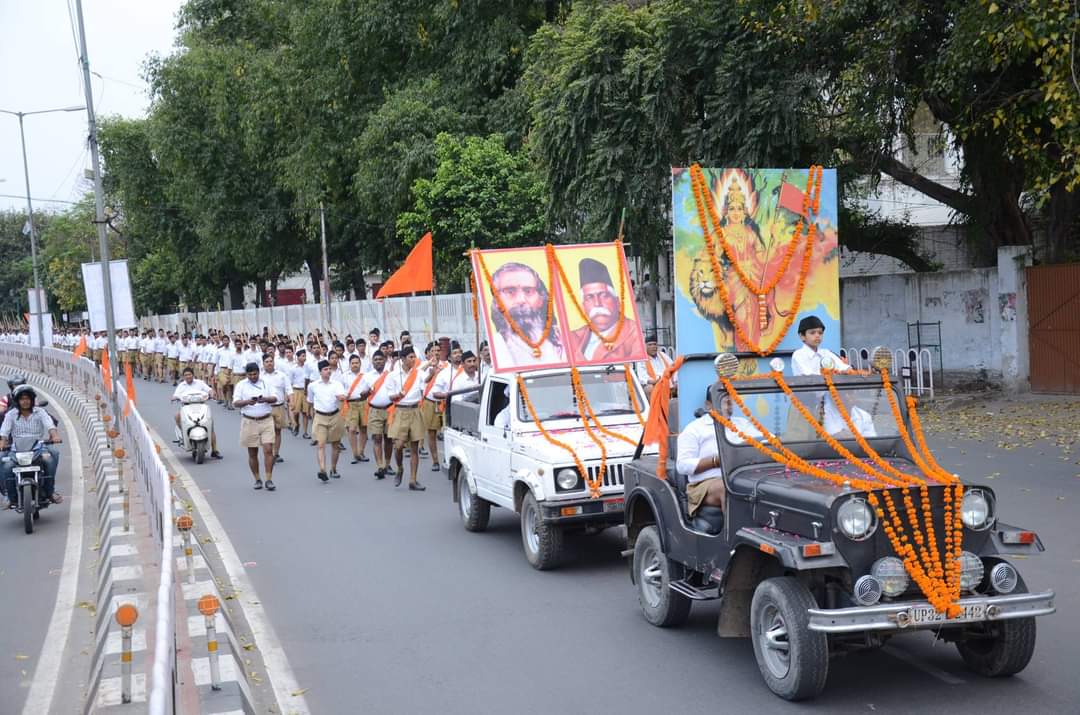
column 855, row 519
column 889, row 571
column 976, row 510
column 567, row 479
column 971, row 571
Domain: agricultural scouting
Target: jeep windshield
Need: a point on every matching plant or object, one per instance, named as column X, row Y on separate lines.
column 552, row 396
column 867, row 407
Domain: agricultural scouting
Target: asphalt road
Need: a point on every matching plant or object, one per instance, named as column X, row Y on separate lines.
column 384, row 604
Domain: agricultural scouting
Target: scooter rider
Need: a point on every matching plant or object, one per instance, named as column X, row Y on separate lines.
column 28, row 420
column 188, row 386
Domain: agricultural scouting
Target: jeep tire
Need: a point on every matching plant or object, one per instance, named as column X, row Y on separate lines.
column 543, row 543
column 474, row 511
column 653, row 574
column 1006, row 650
column 793, row 660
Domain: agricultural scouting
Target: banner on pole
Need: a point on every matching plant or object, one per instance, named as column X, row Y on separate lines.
column 123, row 308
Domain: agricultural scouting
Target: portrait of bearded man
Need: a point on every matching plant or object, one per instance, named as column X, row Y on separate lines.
column 526, row 299
column 600, row 301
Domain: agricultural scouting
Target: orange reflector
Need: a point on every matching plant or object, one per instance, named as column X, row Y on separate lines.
column 184, row 522
column 570, row 510
column 209, row 605
column 811, row 550
column 211, row 646
column 1018, row 537
column 127, row 614
column 1027, row 537
column 768, row 548
column 125, row 657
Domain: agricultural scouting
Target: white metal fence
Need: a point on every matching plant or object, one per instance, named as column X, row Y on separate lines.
column 152, row 477
column 914, row 368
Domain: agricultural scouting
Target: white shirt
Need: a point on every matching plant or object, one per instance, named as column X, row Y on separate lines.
column 147, row 345
column 224, row 359
column 247, row 390
column 696, row 442
column 396, row 384
column 298, row 375
column 185, row 352
column 807, row 361
column 659, row 363
column 350, row 377
column 172, row 350
column 197, row 387
column 380, row 398
column 463, row 382
column 440, row 376
column 279, row 383
column 159, row 345
column 323, row 395
column 239, row 361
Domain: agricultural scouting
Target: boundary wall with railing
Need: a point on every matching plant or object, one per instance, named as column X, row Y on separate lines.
column 152, row 478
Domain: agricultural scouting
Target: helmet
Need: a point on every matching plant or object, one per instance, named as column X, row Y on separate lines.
column 24, row 390
column 15, row 382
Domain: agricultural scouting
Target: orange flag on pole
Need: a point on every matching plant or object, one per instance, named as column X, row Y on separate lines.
column 80, row 349
column 130, row 387
column 656, row 429
column 106, row 370
column 415, row 274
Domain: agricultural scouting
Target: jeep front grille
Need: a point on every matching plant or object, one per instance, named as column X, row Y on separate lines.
column 613, row 474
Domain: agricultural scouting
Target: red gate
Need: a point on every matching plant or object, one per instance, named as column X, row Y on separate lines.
column 1054, row 327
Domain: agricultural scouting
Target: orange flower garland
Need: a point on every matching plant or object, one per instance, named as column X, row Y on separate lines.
column 506, row 313
column 587, row 412
column 594, row 485
column 553, row 259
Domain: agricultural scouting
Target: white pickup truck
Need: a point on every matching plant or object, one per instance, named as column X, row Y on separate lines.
column 496, row 456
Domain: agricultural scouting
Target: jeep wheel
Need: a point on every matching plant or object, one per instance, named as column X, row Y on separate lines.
column 474, row 511
column 543, row 542
column 793, row 660
column 653, row 573
column 1006, row 649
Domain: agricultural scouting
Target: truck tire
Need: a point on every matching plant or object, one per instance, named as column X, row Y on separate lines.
column 474, row 511
column 653, row 574
column 1005, row 651
column 543, row 543
column 793, row 660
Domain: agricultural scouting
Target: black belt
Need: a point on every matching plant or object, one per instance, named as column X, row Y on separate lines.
column 326, row 414
column 408, row 407
column 357, row 400
column 377, row 407
column 257, row 418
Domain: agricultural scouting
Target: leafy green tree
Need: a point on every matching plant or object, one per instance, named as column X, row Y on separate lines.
column 16, row 270
column 67, row 241
column 481, row 195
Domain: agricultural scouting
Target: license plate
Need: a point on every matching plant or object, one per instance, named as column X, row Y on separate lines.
column 922, row 615
column 614, row 505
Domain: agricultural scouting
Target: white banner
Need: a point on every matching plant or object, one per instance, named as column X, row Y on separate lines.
column 34, row 301
column 46, row 326
column 123, row 308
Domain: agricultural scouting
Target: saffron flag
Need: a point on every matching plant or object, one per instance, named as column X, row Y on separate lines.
column 106, row 370
column 130, row 387
column 415, row 274
column 80, row 349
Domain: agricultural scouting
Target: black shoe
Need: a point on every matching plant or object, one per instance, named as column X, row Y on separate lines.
column 389, row 471
column 323, row 477
column 314, row 442
column 295, row 431
column 397, row 480
column 307, row 436
column 423, row 452
column 335, row 475
column 216, row 455
column 355, row 460
column 435, row 467
column 362, row 458
column 270, row 485
column 278, row 459
column 417, row 487
column 258, row 484
column 380, row 474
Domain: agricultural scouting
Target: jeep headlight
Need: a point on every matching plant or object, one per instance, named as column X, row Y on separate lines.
column 856, row 519
column 889, row 571
column 976, row 510
column 23, row 459
column 567, row 479
column 971, row 571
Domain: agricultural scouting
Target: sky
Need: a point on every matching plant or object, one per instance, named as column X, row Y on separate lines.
column 41, row 71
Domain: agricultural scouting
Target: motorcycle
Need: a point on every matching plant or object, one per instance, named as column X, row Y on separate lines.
column 29, row 473
column 196, row 423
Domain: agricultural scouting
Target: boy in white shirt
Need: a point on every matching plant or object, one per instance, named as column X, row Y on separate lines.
column 809, row 360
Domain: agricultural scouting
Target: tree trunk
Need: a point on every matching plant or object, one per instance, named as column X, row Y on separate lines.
column 236, row 293
column 273, row 290
column 314, row 263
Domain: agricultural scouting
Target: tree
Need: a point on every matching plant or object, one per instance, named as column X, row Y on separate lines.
column 482, row 196
column 16, row 270
column 67, row 241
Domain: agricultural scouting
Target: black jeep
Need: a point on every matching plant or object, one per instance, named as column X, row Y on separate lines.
column 800, row 564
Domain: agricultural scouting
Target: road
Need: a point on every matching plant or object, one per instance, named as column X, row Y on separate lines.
column 384, row 604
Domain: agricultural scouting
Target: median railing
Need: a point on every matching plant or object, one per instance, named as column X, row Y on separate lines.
column 153, row 479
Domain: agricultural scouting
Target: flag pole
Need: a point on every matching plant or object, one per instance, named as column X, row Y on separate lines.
column 434, row 315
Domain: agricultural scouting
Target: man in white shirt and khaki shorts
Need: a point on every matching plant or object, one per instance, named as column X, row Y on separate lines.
column 326, row 396
column 255, row 399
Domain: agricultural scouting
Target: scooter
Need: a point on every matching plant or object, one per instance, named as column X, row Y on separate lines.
column 29, row 473
column 196, row 424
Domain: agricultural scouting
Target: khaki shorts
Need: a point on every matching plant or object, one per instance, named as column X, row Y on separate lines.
column 298, row 400
column 429, row 412
column 172, row 364
column 159, row 360
column 281, row 417
column 146, row 359
column 128, row 356
column 355, row 418
column 408, row 425
column 256, row 432
column 328, row 429
column 695, row 494
column 224, row 378
column 376, row 420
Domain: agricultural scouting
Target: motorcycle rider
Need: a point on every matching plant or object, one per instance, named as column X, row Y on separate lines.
column 189, row 385
column 28, row 420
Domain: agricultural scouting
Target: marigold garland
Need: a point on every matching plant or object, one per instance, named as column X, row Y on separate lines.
column 553, row 259
column 587, row 411
column 594, row 485
column 506, row 313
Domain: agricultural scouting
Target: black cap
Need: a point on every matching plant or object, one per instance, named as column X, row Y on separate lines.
column 407, row 351
column 374, row 331
column 650, row 337
column 455, row 345
column 323, row 363
column 591, row 270
column 467, row 354
column 810, row 322
column 251, row 367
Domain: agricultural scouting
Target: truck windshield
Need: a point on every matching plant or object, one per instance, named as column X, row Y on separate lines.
column 867, row 407
column 552, row 396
